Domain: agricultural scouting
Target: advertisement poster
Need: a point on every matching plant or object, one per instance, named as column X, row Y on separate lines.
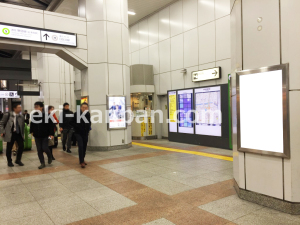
column 172, row 111
column 208, row 111
column 185, row 107
column 116, row 108
column 84, row 100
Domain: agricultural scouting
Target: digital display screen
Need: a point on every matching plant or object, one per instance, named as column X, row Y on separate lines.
column 172, row 95
column 208, row 111
column 261, row 111
column 117, row 108
column 185, row 114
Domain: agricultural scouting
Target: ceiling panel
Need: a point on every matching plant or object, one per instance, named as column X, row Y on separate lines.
column 143, row 8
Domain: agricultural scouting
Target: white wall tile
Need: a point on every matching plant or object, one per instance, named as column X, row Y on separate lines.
column 134, row 38
column 206, row 11
column 143, row 32
column 115, row 82
column 114, row 41
column 144, row 56
column 113, row 10
column 97, row 41
column 190, row 14
column 156, row 84
column 125, row 45
column 261, row 48
column 164, row 24
column 93, row 7
column 177, row 52
column 191, row 48
column 177, row 80
column 165, row 82
column 264, row 175
column 98, row 72
column 117, row 137
column 154, row 58
column 176, row 18
column 292, row 166
column 222, row 8
column 153, row 29
column 124, row 12
column 225, row 70
column 207, row 43
column 165, row 56
column 290, row 39
column 135, row 58
column 223, row 38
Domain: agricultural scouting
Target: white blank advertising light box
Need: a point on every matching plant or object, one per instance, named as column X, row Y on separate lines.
column 261, row 111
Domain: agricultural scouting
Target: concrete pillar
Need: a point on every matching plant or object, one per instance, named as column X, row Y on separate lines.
column 108, row 70
column 266, row 180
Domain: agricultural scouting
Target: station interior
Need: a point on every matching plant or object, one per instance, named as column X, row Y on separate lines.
column 194, row 112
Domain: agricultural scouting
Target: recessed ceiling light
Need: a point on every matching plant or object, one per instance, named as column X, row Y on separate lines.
column 131, row 13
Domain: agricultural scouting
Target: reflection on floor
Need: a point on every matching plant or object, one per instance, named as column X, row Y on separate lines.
column 130, row 186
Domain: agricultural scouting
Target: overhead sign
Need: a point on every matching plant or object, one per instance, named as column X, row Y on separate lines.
column 37, row 35
column 209, row 74
column 58, row 38
column 9, row 94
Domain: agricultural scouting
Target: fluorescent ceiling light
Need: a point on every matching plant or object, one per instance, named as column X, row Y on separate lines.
column 131, row 13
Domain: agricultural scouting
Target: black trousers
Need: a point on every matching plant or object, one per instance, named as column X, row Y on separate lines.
column 42, row 146
column 19, row 139
column 82, row 141
column 67, row 137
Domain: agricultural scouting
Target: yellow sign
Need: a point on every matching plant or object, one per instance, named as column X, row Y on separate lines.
column 149, row 126
column 172, row 108
column 143, row 128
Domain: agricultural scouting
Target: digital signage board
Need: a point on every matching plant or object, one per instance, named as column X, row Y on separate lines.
column 116, row 106
column 185, row 114
column 262, row 110
column 208, row 116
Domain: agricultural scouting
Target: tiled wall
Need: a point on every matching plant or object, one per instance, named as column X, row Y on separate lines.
column 191, row 34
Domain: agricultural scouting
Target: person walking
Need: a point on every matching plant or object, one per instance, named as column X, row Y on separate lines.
column 82, row 126
column 12, row 130
column 50, row 110
column 66, row 128
column 27, row 117
column 42, row 129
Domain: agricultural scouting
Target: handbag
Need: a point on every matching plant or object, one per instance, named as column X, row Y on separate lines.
column 51, row 142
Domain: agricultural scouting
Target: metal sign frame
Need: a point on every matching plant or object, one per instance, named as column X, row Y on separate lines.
column 220, row 74
column 40, row 29
column 285, row 103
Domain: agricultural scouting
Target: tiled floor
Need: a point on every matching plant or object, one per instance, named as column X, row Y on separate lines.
column 131, row 186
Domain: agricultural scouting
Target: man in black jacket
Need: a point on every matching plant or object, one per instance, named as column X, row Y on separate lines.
column 42, row 128
column 66, row 128
column 82, row 126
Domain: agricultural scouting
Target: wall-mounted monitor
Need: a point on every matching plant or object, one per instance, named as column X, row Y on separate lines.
column 172, row 101
column 185, row 114
column 262, row 108
column 116, row 106
column 208, row 116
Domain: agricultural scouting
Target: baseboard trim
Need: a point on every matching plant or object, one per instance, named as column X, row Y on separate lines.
column 108, row 148
column 144, row 138
column 268, row 201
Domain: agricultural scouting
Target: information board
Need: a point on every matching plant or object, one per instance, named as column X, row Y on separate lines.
column 9, row 94
column 185, row 114
column 116, row 107
column 172, row 96
column 263, row 123
column 37, row 35
column 208, row 118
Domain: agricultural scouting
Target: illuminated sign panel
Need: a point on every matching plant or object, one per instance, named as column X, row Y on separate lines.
column 185, row 114
column 37, row 35
column 117, row 115
column 209, row 74
column 262, row 111
column 172, row 111
column 208, row 111
column 9, row 94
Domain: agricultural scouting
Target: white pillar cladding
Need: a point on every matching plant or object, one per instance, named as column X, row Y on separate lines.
column 57, row 80
column 276, row 43
column 108, row 71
